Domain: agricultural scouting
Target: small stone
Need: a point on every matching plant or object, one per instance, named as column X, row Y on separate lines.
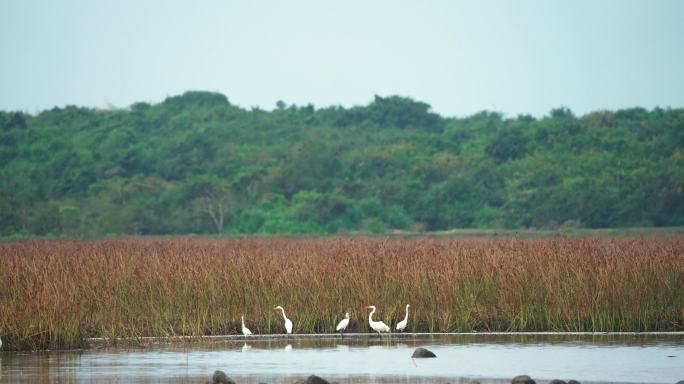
column 577, row 382
column 556, row 381
column 220, row 377
column 422, row 352
column 523, row 379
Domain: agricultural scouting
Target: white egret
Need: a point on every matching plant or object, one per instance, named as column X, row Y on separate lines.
column 288, row 323
column 402, row 324
column 377, row 326
column 245, row 330
column 343, row 324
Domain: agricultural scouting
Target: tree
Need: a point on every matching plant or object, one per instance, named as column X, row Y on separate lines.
column 213, row 197
column 215, row 203
column 197, row 164
column 508, row 144
column 70, row 218
column 403, row 112
column 310, row 165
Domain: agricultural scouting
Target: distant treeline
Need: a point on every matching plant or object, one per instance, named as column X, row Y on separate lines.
column 197, row 164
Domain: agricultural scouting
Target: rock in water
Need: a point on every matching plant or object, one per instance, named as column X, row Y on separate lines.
column 220, row 377
column 577, row 382
column 523, row 379
column 556, row 381
column 422, row 352
column 313, row 379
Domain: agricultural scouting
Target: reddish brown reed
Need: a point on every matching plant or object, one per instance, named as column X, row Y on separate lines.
column 53, row 294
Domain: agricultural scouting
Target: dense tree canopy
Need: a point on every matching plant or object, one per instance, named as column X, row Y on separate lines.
column 197, row 164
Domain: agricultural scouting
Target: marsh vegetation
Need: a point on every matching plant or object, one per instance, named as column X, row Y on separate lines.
column 56, row 293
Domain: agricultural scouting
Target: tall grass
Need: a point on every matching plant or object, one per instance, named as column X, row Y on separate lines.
column 53, row 294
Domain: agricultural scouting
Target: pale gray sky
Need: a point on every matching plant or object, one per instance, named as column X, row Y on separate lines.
column 459, row 56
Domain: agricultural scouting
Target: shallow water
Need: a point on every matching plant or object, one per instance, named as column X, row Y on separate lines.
column 488, row 358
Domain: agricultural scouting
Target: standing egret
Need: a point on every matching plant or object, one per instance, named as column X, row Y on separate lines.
column 343, row 324
column 288, row 323
column 402, row 324
column 377, row 326
column 245, row 330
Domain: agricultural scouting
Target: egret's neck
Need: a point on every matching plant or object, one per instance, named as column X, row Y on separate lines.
column 406, row 317
column 282, row 310
column 370, row 315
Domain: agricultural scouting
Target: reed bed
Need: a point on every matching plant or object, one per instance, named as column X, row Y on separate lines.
column 54, row 294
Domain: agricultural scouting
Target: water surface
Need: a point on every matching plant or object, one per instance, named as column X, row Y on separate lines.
column 487, row 358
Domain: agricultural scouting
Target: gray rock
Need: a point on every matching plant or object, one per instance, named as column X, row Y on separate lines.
column 422, row 352
column 473, row 382
column 680, row 382
column 523, row 379
column 313, row 379
column 220, row 377
column 577, row 382
column 556, row 381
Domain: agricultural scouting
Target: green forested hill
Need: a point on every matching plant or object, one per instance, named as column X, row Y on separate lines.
column 197, row 164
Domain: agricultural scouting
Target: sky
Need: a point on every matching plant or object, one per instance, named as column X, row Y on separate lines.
column 461, row 57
